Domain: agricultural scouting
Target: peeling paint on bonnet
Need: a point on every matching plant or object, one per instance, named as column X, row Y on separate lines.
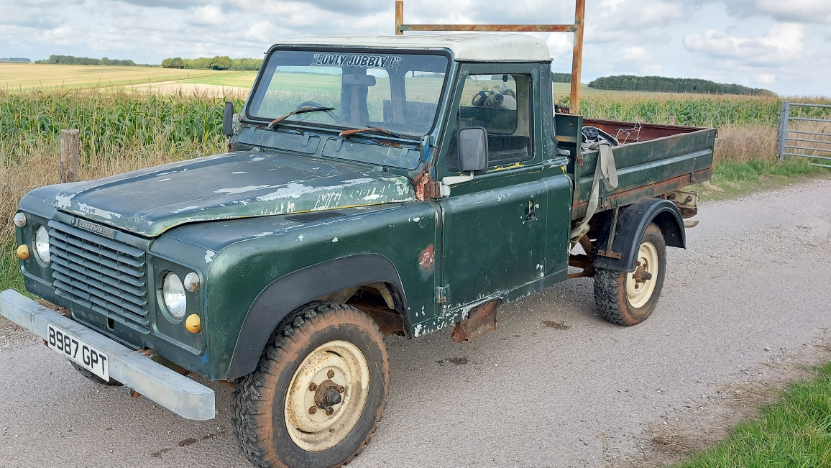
column 199, row 190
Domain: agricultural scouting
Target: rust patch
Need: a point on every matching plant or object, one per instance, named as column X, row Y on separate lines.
column 480, row 321
column 555, row 325
column 425, row 187
column 427, row 261
column 658, row 189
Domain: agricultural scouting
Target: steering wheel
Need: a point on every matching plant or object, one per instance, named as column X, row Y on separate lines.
column 480, row 98
column 316, row 105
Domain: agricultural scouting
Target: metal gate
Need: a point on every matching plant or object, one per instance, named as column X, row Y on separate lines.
column 804, row 133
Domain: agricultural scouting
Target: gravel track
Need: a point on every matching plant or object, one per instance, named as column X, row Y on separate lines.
column 743, row 310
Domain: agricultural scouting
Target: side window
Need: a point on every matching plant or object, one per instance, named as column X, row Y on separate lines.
column 501, row 104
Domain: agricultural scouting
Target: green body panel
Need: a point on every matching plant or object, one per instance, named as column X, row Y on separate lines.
column 493, row 237
column 237, row 219
column 241, row 257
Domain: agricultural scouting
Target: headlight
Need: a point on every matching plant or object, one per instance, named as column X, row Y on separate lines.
column 20, row 219
column 192, row 282
column 42, row 244
column 174, row 296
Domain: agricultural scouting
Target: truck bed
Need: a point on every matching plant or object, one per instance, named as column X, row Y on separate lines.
column 652, row 160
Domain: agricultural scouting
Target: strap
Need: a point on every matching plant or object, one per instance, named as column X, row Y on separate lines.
column 605, row 169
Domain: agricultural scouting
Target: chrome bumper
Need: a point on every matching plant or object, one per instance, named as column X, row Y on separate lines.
column 166, row 387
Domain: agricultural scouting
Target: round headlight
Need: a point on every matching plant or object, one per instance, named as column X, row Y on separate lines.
column 20, row 220
column 42, row 244
column 174, row 296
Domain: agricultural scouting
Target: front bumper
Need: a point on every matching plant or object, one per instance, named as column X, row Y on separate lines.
column 164, row 386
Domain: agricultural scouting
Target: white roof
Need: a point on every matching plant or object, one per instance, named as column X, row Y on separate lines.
column 467, row 47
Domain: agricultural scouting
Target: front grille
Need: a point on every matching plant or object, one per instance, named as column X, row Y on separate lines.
column 100, row 274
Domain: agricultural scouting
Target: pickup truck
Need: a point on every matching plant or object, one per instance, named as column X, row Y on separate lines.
column 372, row 186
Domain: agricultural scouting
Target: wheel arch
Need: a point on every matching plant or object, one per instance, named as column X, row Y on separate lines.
column 632, row 222
column 288, row 293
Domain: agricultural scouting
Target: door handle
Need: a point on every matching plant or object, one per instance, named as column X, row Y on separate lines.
column 531, row 212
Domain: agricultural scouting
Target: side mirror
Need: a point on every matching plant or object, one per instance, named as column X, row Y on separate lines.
column 228, row 119
column 473, row 149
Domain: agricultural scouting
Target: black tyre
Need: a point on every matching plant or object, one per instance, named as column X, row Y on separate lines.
column 318, row 392
column 95, row 378
column 629, row 298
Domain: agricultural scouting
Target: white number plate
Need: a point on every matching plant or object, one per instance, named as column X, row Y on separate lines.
column 85, row 355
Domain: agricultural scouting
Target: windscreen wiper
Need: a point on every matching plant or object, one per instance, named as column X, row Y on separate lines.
column 353, row 131
column 302, row 110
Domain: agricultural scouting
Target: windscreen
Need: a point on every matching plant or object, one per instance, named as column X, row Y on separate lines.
column 398, row 92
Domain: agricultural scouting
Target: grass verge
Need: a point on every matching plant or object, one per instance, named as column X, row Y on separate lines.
column 796, row 431
column 732, row 179
column 10, row 276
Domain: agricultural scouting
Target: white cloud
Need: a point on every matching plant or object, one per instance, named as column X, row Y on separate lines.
column 802, row 11
column 782, row 43
column 766, row 78
column 635, row 53
column 208, row 15
column 635, row 20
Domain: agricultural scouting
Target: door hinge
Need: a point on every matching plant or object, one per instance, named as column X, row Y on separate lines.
column 441, row 294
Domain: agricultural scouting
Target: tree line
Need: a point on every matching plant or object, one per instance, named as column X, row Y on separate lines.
column 214, row 63
column 15, row 60
column 673, row 85
column 561, row 77
column 70, row 60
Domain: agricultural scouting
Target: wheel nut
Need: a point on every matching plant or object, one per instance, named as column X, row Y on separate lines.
column 312, row 387
column 312, row 410
column 330, row 411
column 340, row 388
column 330, row 374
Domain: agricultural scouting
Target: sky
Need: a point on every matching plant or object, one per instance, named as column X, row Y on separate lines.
column 774, row 44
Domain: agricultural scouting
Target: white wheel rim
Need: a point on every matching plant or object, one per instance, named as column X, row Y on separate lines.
column 316, row 431
column 639, row 292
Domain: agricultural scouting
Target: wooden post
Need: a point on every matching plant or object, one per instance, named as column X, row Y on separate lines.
column 399, row 17
column 576, row 28
column 69, row 156
column 577, row 58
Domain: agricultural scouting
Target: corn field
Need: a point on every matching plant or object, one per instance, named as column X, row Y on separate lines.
column 108, row 121
column 123, row 130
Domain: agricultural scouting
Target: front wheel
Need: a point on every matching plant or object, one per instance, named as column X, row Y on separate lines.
column 318, row 392
column 629, row 298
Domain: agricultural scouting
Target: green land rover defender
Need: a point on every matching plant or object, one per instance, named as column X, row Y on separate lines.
column 372, row 186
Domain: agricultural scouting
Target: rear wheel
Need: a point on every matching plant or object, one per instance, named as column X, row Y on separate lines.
column 629, row 298
column 318, row 392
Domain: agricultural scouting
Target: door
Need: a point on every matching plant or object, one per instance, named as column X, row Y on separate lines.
column 493, row 232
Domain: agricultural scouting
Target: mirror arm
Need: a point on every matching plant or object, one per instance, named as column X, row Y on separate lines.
column 446, row 182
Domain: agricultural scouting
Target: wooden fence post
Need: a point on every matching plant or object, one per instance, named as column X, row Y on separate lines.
column 69, row 156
